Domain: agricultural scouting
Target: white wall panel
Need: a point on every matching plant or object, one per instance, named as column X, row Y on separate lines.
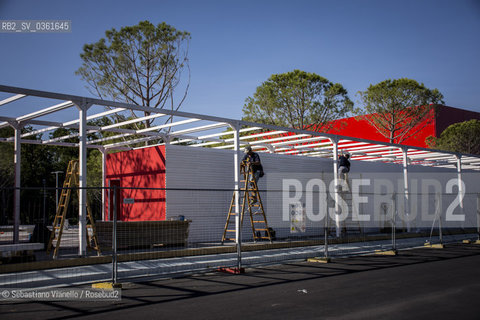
column 207, row 174
column 203, row 173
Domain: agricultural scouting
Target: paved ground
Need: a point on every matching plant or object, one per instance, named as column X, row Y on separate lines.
column 418, row 284
column 208, row 260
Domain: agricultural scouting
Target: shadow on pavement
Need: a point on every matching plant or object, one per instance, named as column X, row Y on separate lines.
column 169, row 295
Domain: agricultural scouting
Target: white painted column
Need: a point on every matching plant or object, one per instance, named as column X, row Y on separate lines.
column 460, row 185
column 82, row 164
column 17, row 161
column 338, row 229
column 406, row 199
column 236, row 168
column 478, row 217
column 104, row 176
column 438, row 213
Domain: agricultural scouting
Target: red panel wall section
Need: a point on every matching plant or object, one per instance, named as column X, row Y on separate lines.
column 438, row 121
column 140, row 168
column 359, row 128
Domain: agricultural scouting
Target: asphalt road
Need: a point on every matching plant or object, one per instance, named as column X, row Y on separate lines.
column 417, row 284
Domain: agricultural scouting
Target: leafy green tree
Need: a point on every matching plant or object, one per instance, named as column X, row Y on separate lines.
column 7, row 175
column 139, row 64
column 461, row 137
column 298, row 99
column 36, row 167
column 399, row 108
column 7, row 169
column 38, row 164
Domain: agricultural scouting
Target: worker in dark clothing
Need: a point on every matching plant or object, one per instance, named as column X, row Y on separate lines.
column 254, row 160
column 343, row 164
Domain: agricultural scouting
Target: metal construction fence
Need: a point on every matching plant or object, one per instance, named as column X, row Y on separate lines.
column 139, row 233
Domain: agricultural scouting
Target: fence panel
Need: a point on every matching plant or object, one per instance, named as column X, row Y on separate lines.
column 301, row 212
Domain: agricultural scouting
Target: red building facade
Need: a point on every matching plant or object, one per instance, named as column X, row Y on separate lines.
column 439, row 119
column 140, row 168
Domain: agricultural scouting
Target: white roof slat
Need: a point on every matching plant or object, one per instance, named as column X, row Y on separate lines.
column 12, row 98
column 43, row 112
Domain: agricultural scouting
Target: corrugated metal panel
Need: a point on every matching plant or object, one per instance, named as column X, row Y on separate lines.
column 279, row 168
column 202, row 173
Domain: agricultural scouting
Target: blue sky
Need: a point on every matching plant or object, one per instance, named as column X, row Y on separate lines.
column 236, row 45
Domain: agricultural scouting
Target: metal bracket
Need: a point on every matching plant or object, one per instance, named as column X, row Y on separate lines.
column 82, row 105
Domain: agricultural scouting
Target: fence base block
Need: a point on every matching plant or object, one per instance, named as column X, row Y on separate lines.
column 386, row 252
column 466, row 241
column 434, row 246
column 231, row 270
column 477, row 242
column 106, row 285
column 319, row 260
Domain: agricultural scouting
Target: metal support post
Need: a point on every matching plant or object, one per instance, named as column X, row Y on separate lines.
column 56, row 173
column 236, row 168
column 326, row 236
column 460, row 185
column 104, row 174
column 394, row 221
column 325, row 258
column 438, row 213
column 335, row 178
column 478, row 217
column 82, row 174
column 17, row 160
column 325, row 240
column 114, row 235
column 44, row 181
column 406, row 206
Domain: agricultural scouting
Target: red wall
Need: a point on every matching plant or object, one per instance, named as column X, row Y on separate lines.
column 141, row 168
column 439, row 120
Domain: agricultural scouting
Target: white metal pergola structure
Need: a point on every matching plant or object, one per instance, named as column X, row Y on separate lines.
column 195, row 130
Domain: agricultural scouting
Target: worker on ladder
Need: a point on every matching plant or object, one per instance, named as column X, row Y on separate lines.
column 249, row 201
column 344, row 165
column 253, row 159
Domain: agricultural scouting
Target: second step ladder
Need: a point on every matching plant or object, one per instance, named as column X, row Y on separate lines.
column 71, row 181
column 250, row 201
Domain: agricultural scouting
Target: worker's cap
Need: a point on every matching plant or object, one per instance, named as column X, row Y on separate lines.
column 247, row 149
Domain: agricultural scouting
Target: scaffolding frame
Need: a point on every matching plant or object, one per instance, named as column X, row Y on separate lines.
column 195, row 130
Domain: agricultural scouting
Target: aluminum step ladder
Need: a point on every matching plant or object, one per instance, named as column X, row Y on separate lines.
column 71, row 181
